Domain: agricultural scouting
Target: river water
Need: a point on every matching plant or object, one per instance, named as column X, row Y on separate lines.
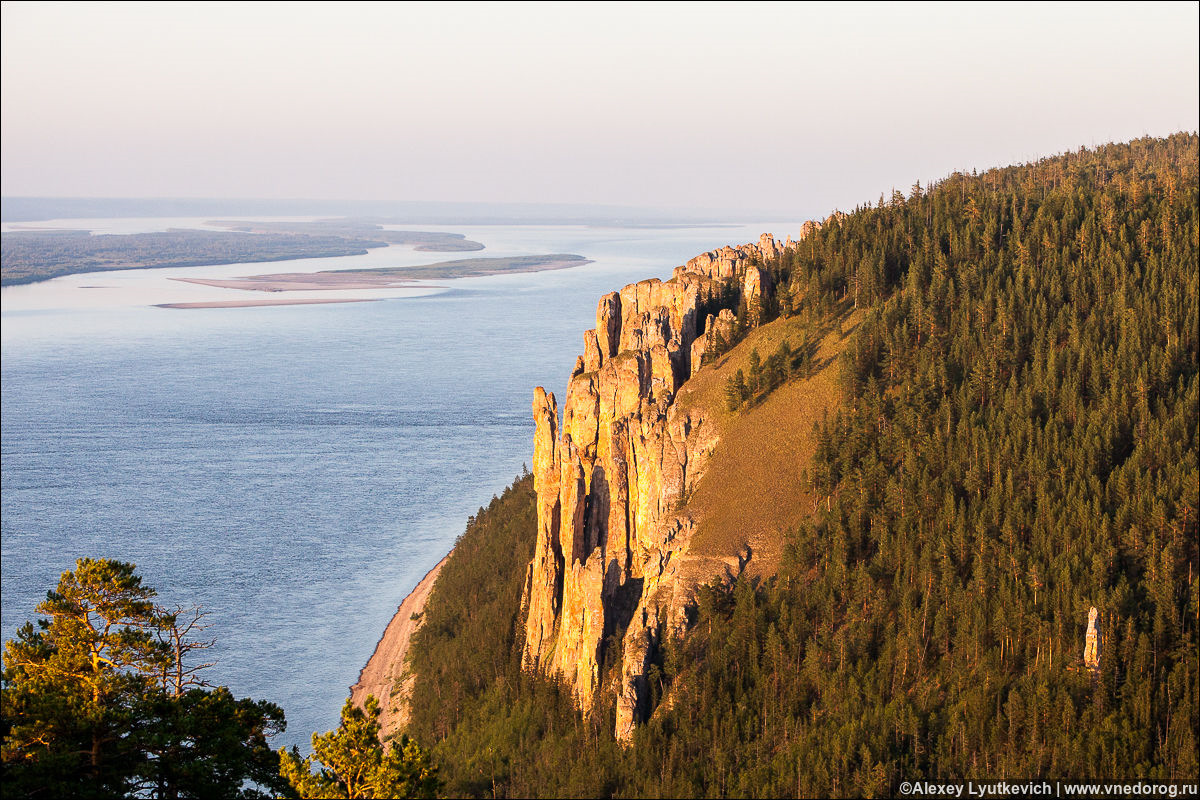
column 294, row 469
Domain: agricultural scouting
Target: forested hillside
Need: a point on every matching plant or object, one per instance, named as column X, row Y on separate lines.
column 1017, row 444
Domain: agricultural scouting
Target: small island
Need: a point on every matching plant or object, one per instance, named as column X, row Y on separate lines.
column 394, row 277
column 352, row 228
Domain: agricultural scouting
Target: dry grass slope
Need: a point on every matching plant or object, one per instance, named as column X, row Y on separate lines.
column 751, row 492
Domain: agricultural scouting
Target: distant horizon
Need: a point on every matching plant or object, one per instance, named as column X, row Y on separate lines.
column 33, row 208
column 800, row 108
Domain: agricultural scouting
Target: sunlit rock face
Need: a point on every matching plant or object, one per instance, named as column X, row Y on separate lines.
column 1091, row 648
column 611, row 538
column 718, row 331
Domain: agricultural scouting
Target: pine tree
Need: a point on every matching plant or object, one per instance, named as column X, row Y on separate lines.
column 736, row 391
column 87, row 710
column 350, row 762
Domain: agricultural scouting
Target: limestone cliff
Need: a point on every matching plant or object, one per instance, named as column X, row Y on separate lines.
column 612, row 483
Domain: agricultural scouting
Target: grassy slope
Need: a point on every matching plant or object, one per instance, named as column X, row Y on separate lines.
column 751, row 492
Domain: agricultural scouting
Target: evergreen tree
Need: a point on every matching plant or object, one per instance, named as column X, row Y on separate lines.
column 350, row 762
column 86, row 711
column 736, row 391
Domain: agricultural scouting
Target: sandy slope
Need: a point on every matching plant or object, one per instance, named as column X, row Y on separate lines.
column 384, row 675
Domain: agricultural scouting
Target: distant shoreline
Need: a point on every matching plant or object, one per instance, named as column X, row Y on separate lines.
column 35, row 256
column 31, row 255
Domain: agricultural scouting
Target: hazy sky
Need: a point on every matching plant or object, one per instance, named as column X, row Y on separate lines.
column 793, row 108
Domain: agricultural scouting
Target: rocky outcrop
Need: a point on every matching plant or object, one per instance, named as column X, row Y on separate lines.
column 611, row 485
column 1091, row 648
column 543, row 582
column 718, row 333
column 729, row 262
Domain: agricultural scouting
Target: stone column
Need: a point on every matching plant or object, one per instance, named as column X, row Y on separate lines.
column 1091, row 650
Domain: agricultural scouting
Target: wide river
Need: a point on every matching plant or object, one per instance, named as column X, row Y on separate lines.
column 293, row 469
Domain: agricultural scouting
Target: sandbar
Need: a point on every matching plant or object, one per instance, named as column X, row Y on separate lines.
column 302, row 281
column 282, row 301
column 394, row 277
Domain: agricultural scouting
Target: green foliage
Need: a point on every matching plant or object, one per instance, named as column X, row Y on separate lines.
column 351, row 762
column 208, row 744
column 469, row 637
column 97, row 702
column 756, row 372
column 767, row 376
column 736, row 391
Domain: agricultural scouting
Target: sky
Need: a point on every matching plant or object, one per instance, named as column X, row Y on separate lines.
column 787, row 108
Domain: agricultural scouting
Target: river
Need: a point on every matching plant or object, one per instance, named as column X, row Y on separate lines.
column 294, row 469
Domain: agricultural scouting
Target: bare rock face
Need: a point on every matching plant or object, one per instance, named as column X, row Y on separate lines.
column 718, row 332
column 638, row 651
column 543, row 578
column 609, row 486
column 608, row 324
column 1091, row 649
column 697, row 355
column 723, row 324
column 577, row 656
column 730, row 262
column 591, row 351
column 752, row 284
column 581, row 414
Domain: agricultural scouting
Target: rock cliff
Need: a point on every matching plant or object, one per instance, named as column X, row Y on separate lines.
column 612, row 483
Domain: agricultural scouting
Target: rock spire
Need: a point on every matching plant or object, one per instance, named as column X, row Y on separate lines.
column 1091, row 649
column 610, row 483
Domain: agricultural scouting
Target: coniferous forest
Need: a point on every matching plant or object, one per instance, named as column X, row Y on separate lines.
column 1017, row 444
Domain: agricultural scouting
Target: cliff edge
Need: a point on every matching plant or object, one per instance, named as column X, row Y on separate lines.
column 613, row 554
